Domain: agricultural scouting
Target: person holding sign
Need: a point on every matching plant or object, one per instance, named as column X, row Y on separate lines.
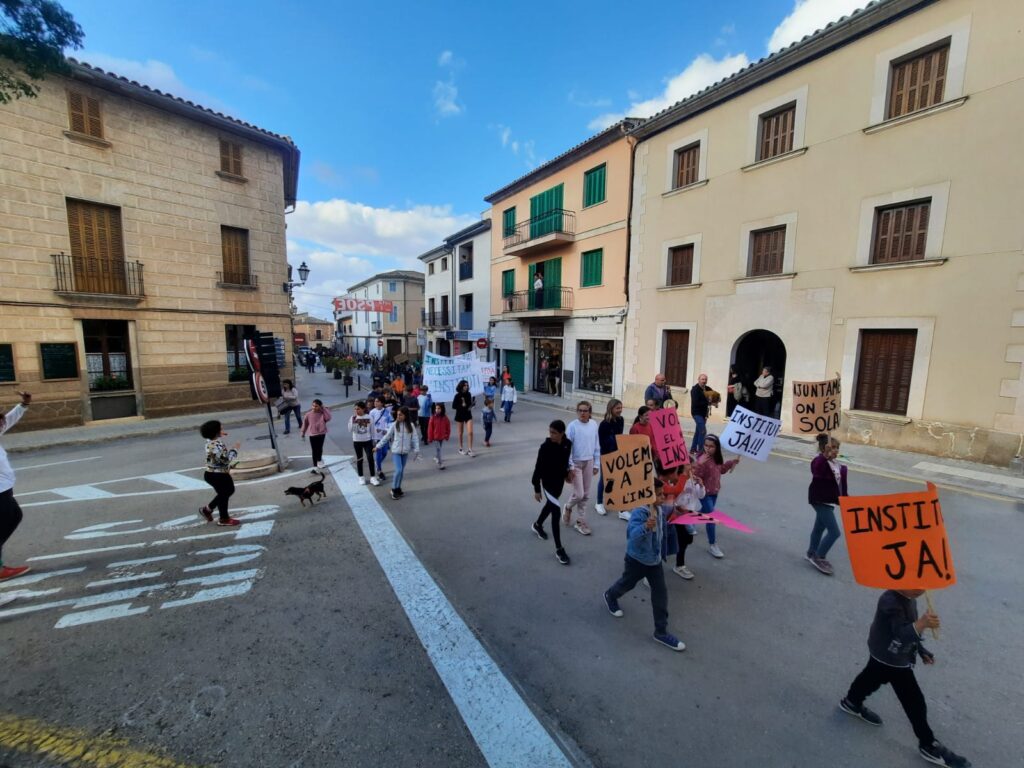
column 828, row 483
column 709, row 470
column 894, row 643
column 550, row 474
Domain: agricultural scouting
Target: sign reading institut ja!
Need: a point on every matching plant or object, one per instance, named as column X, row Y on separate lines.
column 363, row 305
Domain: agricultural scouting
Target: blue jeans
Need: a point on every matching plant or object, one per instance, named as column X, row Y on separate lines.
column 400, row 459
column 699, row 433
column 287, row 418
column 825, row 532
column 379, row 455
column 600, row 484
column 488, row 427
column 506, row 406
column 707, row 504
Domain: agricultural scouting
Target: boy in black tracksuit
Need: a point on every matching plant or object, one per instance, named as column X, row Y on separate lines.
column 894, row 642
column 549, row 477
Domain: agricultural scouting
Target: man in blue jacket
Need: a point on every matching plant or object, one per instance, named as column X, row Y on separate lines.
column 644, row 535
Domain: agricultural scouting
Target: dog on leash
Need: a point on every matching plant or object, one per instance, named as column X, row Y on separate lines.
column 311, row 492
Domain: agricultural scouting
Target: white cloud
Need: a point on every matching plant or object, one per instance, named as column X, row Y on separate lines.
column 446, row 96
column 701, row 72
column 445, row 59
column 506, row 133
column 809, row 16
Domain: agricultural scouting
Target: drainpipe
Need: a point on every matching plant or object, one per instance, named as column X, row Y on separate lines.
column 629, row 241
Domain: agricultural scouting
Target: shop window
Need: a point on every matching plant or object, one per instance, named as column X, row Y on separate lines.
column 596, row 366
column 235, row 336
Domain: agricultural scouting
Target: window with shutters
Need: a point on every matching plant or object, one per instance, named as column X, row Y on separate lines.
column 593, row 186
column 508, row 222
column 767, row 249
column 231, row 158
column 917, row 81
column 884, row 368
column 676, row 345
column 430, row 268
column 508, row 282
column 84, row 114
column 775, row 134
column 591, row 266
column 235, row 250
column 680, row 265
column 900, row 233
column 687, row 166
column 97, row 248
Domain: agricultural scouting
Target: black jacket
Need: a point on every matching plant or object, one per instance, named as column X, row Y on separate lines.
column 552, row 466
column 698, row 401
column 893, row 640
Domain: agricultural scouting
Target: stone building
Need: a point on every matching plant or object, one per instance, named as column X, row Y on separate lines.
column 313, row 331
column 142, row 238
column 385, row 312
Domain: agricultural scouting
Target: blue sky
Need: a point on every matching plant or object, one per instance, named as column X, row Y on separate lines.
column 408, row 113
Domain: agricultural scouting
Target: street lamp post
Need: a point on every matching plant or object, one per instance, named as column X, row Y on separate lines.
column 287, row 288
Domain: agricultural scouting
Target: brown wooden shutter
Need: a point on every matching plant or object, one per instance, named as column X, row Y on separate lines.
column 677, row 344
column 236, row 159
column 76, row 112
column 884, row 369
column 235, row 250
column 225, row 156
column 230, row 157
column 92, row 117
column 687, row 165
column 777, row 130
column 901, row 232
column 767, row 251
column 97, row 247
column 918, row 82
column 680, row 265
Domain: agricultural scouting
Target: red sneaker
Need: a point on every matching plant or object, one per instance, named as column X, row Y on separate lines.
column 9, row 572
column 229, row 521
column 206, row 514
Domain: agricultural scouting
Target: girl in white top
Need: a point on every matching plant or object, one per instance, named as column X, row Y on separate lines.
column 584, row 464
column 508, row 399
column 687, row 501
column 403, row 438
column 361, row 429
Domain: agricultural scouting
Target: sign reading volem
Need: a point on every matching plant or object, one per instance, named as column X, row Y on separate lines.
column 898, row 540
column 628, row 474
column 668, row 438
column 816, row 406
column 749, row 434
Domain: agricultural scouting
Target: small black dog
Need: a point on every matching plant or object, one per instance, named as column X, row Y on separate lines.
column 310, row 491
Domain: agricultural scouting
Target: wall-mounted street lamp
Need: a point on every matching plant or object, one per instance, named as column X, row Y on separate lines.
column 303, row 275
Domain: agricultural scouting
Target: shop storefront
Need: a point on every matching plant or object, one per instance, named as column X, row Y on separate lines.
column 595, row 366
column 547, row 346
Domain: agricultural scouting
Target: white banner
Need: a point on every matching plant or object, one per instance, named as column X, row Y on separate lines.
column 442, row 374
column 749, row 434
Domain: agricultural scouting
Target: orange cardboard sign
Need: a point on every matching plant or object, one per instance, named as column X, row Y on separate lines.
column 628, row 474
column 898, row 541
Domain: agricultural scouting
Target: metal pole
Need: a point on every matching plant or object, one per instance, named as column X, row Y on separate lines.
column 273, row 439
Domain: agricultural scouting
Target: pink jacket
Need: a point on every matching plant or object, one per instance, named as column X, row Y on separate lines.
column 315, row 422
column 711, row 473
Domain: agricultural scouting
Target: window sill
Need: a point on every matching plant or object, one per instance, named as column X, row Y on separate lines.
column 234, row 178
column 592, row 205
column 238, row 287
column 687, row 287
column 85, row 138
column 888, row 418
column 901, row 265
column 756, row 278
column 773, row 160
column 687, row 188
column 893, row 122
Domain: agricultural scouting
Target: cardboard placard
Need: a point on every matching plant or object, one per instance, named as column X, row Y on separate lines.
column 668, row 438
column 898, row 540
column 749, row 434
column 816, row 406
column 628, row 474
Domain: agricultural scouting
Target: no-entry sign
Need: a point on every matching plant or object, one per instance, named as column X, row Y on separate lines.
column 380, row 342
column 481, row 343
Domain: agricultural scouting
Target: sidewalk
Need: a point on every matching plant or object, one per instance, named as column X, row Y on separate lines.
column 310, row 385
column 949, row 473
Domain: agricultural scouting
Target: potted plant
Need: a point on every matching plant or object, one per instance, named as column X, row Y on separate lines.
column 345, row 366
column 109, row 383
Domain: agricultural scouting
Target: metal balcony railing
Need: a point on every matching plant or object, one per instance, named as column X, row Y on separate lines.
column 466, row 321
column 558, row 221
column 244, row 279
column 111, row 277
column 435, row 319
column 466, row 270
column 540, row 299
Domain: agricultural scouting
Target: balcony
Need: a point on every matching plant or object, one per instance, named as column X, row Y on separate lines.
column 466, row 321
column 546, row 302
column 242, row 281
column 466, row 270
column 89, row 277
column 541, row 233
column 435, row 319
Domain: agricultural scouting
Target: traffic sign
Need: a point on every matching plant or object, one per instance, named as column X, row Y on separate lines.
column 380, row 342
column 481, row 343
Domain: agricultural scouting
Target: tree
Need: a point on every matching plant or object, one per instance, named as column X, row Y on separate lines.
column 33, row 36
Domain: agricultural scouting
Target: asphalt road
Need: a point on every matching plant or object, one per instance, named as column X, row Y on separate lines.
column 283, row 643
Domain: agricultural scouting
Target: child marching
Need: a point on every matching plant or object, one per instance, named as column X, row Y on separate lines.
column 219, row 460
column 380, row 422
column 487, row 415
column 402, row 438
column 586, row 457
column 709, row 469
column 362, row 441
column 314, row 424
column 688, row 501
column 550, row 474
column 508, row 398
column 439, row 432
column 828, row 483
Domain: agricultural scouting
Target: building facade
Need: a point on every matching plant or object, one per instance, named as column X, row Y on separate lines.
column 143, row 240
column 558, row 270
column 313, row 331
column 852, row 205
column 383, row 333
column 456, row 313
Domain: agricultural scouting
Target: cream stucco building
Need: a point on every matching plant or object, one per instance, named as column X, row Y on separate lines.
column 851, row 204
column 375, row 332
column 142, row 238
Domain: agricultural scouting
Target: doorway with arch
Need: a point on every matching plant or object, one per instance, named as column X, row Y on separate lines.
column 751, row 354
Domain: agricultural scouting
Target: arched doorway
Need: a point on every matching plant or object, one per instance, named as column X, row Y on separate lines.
column 751, row 353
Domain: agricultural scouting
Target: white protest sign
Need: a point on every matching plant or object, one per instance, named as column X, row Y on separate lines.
column 442, row 374
column 749, row 434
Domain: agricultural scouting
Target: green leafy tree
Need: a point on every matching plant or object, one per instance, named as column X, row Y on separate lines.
column 33, row 36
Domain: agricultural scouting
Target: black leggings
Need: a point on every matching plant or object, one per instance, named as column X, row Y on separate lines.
column 685, row 539
column 904, row 684
column 364, row 446
column 224, row 486
column 555, row 512
column 10, row 518
column 424, row 423
column 316, row 442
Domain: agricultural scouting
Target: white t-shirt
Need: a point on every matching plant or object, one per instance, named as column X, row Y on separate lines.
column 6, row 470
column 585, row 443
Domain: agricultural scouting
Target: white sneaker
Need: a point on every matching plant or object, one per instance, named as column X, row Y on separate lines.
column 436, row 461
column 599, row 508
column 715, row 551
column 461, row 452
column 624, row 516
column 374, row 481
column 362, row 480
column 683, row 572
column 469, row 453
column 645, row 582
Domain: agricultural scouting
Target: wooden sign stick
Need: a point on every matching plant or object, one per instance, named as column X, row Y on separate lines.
column 931, row 609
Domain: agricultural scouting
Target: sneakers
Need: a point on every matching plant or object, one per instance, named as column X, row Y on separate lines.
column 561, row 556
column 441, row 466
column 231, row 521
column 670, row 641
column 613, row 605
column 206, row 514
column 581, row 528
column 941, row 755
column 374, row 481
column 809, row 557
column 394, row 494
column 400, row 492
column 624, row 516
column 862, row 712
column 362, row 480
column 470, row 453
column 715, row 552
column 599, row 508
column 381, row 476
column 683, row 572
column 822, row 565
column 461, row 452
column 436, row 460
column 13, row 571
column 566, row 515
column 539, row 531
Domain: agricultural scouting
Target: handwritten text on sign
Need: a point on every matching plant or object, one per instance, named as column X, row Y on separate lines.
column 898, row 541
column 749, row 434
column 816, row 406
column 442, row 374
column 628, row 474
column 668, row 438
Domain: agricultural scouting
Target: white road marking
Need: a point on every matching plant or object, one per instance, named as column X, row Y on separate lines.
column 203, row 595
column 123, row 579
column 507, row 732
column 140, row 561
column 971, row 474
column 99, row 614
column 252, row 530
column 82, row 492
column 34, row 577
column 179, row 481
column 56, row 463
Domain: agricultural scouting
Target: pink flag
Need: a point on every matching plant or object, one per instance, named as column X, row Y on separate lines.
column 699, row 518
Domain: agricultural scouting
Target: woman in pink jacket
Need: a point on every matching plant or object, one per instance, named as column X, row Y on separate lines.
column 314, row 424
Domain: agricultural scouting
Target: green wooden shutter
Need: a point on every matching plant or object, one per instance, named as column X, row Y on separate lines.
column 590, row 273
column 545, row 212
column 508, row 225
column 593, row 186
column 553, row 280
column 508, row 282
column 530, row 303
